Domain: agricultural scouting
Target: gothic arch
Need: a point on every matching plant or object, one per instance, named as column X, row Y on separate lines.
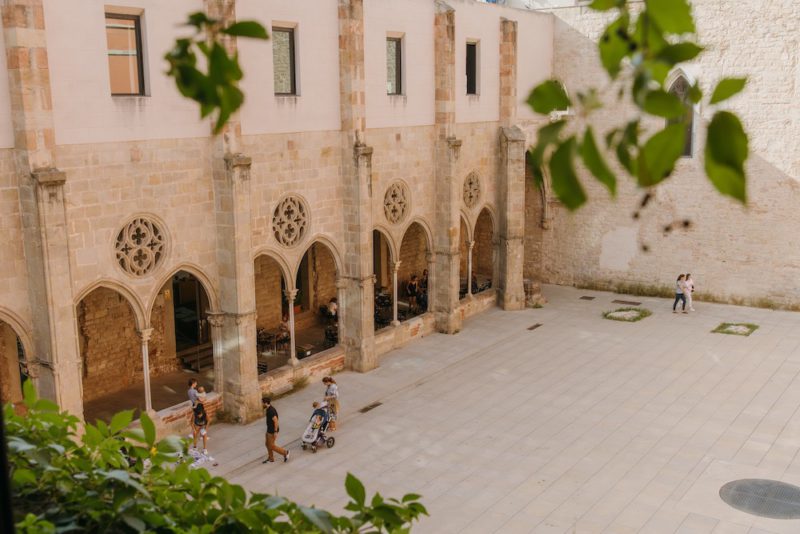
column 468, row 224
column 197, row 272
column 387, row 235
column 426, row 229
column 332, row 248
column 492, row 217
column 280, row 260
column 20, row 328
column 678, row 84
column 137, row 307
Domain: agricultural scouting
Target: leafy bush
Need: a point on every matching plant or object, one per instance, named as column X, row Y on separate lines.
column 117, row 479
column 628, row 315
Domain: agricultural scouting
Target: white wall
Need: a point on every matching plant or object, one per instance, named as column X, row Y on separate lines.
column 83, row 109
column 534, row 55
column 317, row 52
column 414, row 19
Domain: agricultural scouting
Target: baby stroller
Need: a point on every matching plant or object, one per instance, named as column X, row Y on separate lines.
column 314, row 436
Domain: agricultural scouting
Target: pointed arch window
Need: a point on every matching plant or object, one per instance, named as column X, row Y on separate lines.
column 680, row 88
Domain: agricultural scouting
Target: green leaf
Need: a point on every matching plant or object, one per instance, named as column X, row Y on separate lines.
column 605, row 5
column 562, row 173
column 663, row 104
column 29, row 394
column 121, row 420
column 595, row 163
column 247, row 28
column 198, row 19
column 23, row 477
column 125, row 478
column 659, row 154
column 613, row 48
column 679, row 52
column 408, row 497
column 725, row 154
column 726, row 88
column 134, row 522
column 547, row 97
column 630, row 138
column 319, row 518
column 355, row 489
column 672, row 16
column 148, row 428
column 695, row 93
column 535, row 158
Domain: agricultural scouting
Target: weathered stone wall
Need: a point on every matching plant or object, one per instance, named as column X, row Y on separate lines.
column 413, row 257
column 110, row 347
column 323, row 276
column 483, row 257
column 9, row 366
column 268, row 293
column 13, row 270
column 733, row 252
column 161, row 347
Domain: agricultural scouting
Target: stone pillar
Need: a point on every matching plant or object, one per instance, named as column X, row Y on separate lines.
column 508, row 72
column 291, row 294
column 55, row 351
column 443, row 300
column 358, row 294
column 144, row 336
column 9, row 360
column 395, row 268
column 511, row 203
column 470, row 245
column 216, row 320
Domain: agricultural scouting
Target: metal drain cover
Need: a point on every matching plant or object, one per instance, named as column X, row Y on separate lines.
column 765, row 498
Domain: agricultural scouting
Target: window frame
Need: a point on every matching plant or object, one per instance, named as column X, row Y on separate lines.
column 137, row 29
column 691, row 112
column 292, row 60
column 398, row 59
column 476, row 66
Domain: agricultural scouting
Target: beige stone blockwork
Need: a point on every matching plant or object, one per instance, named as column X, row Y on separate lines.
column 9, row 366
column 413, row 257
column 268, row 277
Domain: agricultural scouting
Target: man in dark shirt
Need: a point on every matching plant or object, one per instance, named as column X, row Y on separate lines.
column 272, row 432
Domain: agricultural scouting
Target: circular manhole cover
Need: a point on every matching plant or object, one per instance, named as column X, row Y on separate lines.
column 765, row 498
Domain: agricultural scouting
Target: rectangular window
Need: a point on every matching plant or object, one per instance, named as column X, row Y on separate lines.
column 125, row 58
column 283, row 61
column 394, row 66
column 472, row 68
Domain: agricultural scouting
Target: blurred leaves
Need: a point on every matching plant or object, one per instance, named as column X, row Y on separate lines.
column 638, row 50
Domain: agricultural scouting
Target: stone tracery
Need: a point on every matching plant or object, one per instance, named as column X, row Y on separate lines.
column 140, row 246
column 290, row 221
column 395, row 202
column 472, row 190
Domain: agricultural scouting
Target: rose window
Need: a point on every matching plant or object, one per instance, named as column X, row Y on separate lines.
column 290, row 221
column 472, row 190
column 140, row 246
column 395, row 202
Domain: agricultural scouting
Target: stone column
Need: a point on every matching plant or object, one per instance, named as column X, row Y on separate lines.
column 144, row 336
column 216, row 320
column 291, row 294
column 443, row 300
column 508, row 72
column 358, row 294
column 511, row 191
column 55, row 351
column 395, row 268
column 470, row 245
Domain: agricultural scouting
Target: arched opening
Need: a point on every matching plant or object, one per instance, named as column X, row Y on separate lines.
column 13, row 371
column 483, row 253
column 681, row 88
column 413, row 288
column 272, row 315
column 463, row 268
column 111, row 358
column 316, row 306
column 384, row 284
column 180, row 345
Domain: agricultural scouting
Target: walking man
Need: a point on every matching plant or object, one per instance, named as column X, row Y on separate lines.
column 272, row 432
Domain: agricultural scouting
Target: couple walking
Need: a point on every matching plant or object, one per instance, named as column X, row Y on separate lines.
column 684, row 287
column 273, row 426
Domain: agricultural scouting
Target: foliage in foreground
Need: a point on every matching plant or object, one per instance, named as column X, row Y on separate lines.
column 638, row 51
column 735, row 329
column 116, row 479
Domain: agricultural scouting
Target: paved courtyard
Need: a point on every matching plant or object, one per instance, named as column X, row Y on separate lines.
column 580, row 425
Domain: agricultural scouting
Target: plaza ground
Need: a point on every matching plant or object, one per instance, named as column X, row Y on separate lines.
column 579, row 425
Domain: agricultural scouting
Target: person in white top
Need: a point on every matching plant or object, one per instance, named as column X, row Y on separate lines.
column 689, row 284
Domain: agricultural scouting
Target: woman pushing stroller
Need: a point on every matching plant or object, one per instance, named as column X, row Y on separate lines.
column 314, row 436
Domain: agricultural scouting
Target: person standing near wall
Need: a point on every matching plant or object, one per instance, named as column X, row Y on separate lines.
column 273, row 427
column 689, row 290
column 680, row 294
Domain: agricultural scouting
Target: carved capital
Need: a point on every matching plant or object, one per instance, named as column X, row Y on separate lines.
column 216, row 319
column 341, row 283
column 145, row 334
column 396, row 266
column 470, row 244
column 290, row 295
column 454, row 144
column 238, row 166
column 49, row 177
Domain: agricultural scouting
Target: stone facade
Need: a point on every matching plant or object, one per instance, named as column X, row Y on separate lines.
column 736, row 254
column 69, row 186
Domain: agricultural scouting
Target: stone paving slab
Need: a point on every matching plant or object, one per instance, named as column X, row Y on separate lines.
column 581, row 425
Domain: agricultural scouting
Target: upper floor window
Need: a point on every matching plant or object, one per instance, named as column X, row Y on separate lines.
column 680, row 88
column 394, row 65
column 283, row 60
column 125, row 58
column 472, row 68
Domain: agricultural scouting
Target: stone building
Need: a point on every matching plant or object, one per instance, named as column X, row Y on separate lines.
column 379, row 139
